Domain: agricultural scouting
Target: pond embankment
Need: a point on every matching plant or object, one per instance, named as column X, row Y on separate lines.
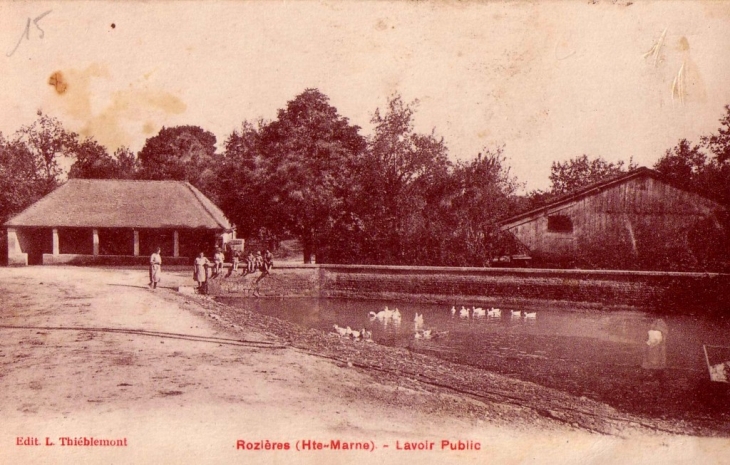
column 662, row 291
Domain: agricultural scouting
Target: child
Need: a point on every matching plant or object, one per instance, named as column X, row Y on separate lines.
column 259, row 261
column 218, row 259
column 250, row 263
column 268, row 261
column 234, row 260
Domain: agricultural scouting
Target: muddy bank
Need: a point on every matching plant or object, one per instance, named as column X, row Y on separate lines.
column 408, row 366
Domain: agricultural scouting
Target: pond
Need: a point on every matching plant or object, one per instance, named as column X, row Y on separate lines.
column 596, row 354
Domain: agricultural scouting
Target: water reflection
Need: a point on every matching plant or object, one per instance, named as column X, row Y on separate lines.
column 597, row 354
column 518, row 327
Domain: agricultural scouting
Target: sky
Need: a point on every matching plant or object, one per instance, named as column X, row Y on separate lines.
column 549, row 81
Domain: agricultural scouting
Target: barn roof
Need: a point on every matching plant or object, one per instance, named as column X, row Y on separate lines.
column 591, row 189
column 123, row 204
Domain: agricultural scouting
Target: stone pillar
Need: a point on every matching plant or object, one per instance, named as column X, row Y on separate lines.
column 95, row 234
column 136, row 243
column 56, row 247
column 175, row 244
column 16, row 257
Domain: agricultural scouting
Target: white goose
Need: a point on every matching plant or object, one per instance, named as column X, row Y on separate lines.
column 494, row 313
column 478, row 312
column 340, row 330
column 424, row 334
column 464, row 312
column 530, row 315
column 418, row 320
column 516, row 313
column 453, row 311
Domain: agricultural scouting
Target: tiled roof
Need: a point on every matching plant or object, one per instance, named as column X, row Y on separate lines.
column 123, row 204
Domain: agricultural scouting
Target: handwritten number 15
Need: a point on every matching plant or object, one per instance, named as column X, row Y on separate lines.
column 26, row 31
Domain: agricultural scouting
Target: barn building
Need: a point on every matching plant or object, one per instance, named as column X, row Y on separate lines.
column 634, row 221
column 116, row 222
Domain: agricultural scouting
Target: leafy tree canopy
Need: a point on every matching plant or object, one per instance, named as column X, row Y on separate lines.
column 582, row 171
column 308, row 154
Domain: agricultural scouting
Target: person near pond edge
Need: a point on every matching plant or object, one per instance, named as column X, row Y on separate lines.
column 235, row 257
column 155, row 268
column 250, row 263
column 218, row 259
column 200, row 272
column 268, row 262
column 655, row 351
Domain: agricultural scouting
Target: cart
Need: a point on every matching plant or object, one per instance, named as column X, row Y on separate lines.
column 718, row 362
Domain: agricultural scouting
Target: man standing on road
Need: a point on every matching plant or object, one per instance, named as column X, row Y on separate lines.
column 155, row 268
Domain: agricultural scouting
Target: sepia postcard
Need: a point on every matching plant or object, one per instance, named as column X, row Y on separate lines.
column 489, row 232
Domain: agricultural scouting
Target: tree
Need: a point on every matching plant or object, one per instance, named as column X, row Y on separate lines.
column 308, row 154
column 401, row 176
column 581, row 171
column 22, row 180
column 29, row 167
column 486, row 194
column 684, row 165
column 126, row 163
column 183, row 153
column 93, row 162
column 241, row 187
column 719, row 144
column 46, row 139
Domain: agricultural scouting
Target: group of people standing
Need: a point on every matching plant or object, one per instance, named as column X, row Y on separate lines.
column 260, row 261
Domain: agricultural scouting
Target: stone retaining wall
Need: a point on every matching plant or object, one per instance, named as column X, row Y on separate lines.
column 658, row 290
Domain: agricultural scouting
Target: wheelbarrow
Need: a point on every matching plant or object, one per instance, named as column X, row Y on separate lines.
column 718, row 362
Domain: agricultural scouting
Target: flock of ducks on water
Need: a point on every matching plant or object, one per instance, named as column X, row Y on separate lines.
column 387, row 315
column 362, row 335
column 478, row 312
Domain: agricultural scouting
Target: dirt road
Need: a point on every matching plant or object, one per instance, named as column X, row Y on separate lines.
column 93, row 354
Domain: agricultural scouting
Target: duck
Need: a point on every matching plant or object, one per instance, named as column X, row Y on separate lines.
column 453, row 311
column 464, row 312
column 530, row 315
column 516, row 313
column 479, row 312
column 424, row 334
column 494, row 312
column 340, row 330
column 381, row 315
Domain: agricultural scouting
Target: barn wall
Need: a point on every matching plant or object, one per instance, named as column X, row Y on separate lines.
column 640, row 224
